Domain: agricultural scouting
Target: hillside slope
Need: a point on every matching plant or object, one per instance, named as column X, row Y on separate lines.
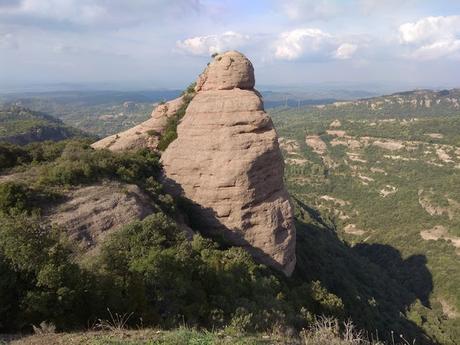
column 386, row 181
column 149, row 270
column 418, row 103
column 100, row 113
column 22, row 126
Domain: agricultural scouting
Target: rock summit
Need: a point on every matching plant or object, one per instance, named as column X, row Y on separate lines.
column 227, row 162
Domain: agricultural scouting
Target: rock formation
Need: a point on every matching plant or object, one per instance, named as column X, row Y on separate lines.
column 227, row 162
column 90, row 213
column 146, row 134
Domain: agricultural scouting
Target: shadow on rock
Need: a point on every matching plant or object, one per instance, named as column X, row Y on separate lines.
column 204, row 220
column 373, row 298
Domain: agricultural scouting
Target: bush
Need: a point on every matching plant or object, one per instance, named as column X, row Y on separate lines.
column 14, row 197
column 170, row 132
column 171, row 280
column 47, row 285
column 12, row 155
column 328, row 331
column 79, row 164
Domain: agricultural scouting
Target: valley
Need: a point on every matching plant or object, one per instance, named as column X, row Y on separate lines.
column 386, row 176
column 381, row 179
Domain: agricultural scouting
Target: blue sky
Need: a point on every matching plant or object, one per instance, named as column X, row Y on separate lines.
column 166, row 43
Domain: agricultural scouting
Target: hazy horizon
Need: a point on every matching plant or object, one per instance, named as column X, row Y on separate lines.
column 391, row 45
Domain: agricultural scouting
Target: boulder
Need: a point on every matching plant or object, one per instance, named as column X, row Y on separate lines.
column 228, row 71
column 226, row 161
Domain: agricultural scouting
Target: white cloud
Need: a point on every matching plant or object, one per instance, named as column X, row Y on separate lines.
column 438, row 49
column 78, row 11
column 311, row 43
column 96, row 12
column 432, row 37
column 207, row 45
column 294, row 44
column 345, row 51
column 430, row 28
column 309, row 9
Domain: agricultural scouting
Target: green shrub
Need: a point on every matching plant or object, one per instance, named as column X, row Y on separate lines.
column 47, row 151
column 47, row 285
column 79, row 164
column 12, row 155
column 170, row 132
column 14, row 197
column 171, row 280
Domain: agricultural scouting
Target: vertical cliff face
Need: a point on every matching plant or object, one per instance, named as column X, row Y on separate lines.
column 227, row 162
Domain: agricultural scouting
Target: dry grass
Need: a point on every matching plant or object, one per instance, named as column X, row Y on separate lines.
column 326, row 331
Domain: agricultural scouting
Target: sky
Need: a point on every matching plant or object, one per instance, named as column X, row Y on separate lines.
column 167, row 43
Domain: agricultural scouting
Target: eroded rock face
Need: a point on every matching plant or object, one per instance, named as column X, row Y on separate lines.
column 144, row 135
column 91, row 213
column 227, row 161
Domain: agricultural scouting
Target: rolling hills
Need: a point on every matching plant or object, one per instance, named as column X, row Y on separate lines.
column 377, row 225
column 384, row 173
column 21, row 126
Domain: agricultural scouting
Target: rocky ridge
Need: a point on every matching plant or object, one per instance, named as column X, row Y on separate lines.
column 145, row 135
column 417, row 99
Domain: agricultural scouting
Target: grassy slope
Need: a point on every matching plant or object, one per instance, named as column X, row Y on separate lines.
column 137, row 337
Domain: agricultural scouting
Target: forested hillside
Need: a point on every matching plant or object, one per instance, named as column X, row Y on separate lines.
column 377, row 235
column 384, row 176
column 149, row 270
column 100, row 113
column 21, row 126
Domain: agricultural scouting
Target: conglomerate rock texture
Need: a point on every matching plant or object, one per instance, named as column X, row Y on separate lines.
column 227, row 162
column 144, row 135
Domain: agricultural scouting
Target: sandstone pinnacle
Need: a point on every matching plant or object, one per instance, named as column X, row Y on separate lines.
column 226, row 161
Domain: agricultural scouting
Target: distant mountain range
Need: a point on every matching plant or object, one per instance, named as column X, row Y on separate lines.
column 415, row 99
column 103, row 113
column 416, row 103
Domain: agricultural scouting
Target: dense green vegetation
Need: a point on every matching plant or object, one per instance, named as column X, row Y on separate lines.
column 170, row 132
column 21, row 126
column 380, row 272
column 149, row 270
column 382, row 182
column 35, row 153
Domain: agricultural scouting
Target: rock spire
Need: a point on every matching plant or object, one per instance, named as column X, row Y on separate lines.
column 227, row 162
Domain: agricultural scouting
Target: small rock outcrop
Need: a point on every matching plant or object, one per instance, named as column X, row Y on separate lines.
column 227, row 162
column 90, row 213
column 145, row 135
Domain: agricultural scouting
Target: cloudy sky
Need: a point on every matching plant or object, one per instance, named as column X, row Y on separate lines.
column 166, row 43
